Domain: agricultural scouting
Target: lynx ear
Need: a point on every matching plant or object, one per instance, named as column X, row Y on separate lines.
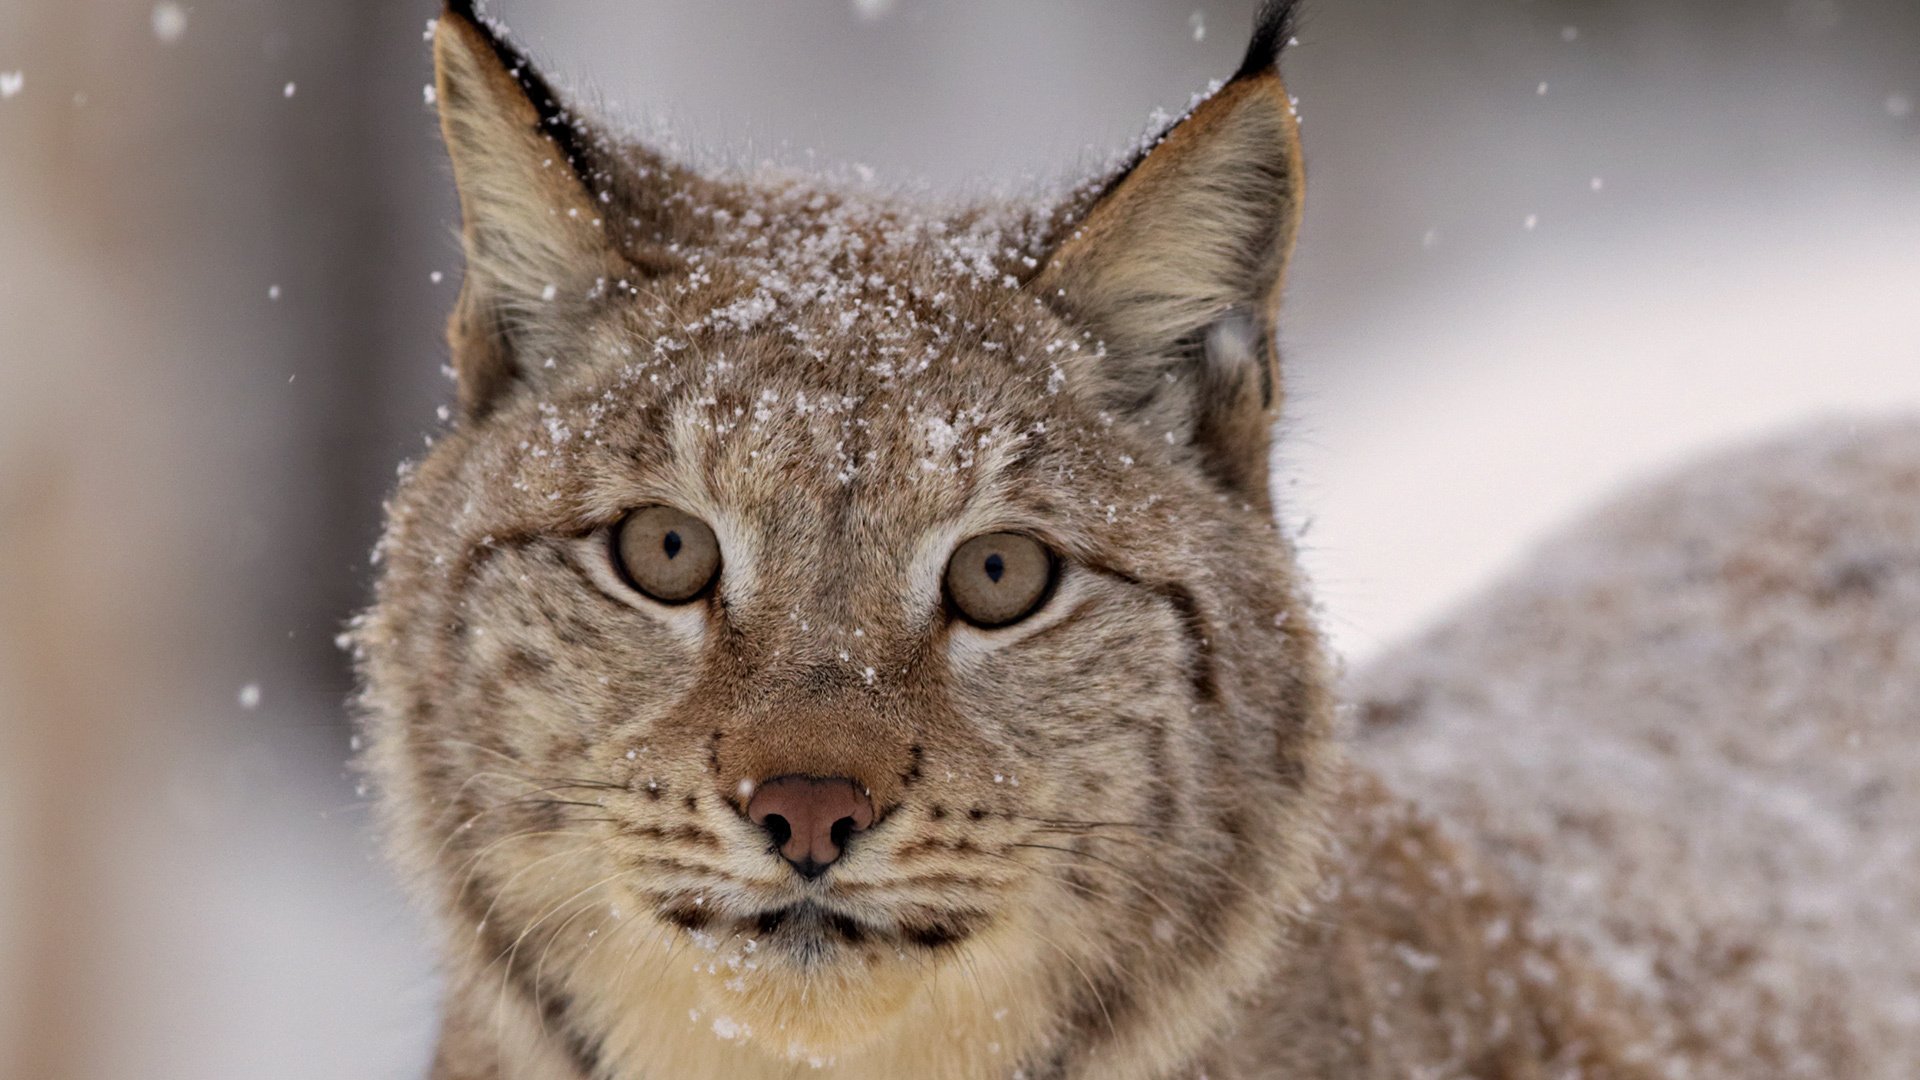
column 531, row 229
column 1177, row 267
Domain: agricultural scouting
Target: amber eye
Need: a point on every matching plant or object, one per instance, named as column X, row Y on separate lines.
column 999, row 579
column 670, row 556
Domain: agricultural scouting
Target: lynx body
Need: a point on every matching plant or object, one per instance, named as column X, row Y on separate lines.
column 701, row 721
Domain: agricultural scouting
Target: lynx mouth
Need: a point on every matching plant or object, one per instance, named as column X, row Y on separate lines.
column 812, row 930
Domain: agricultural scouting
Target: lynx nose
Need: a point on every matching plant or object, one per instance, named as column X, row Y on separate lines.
column 810, row 819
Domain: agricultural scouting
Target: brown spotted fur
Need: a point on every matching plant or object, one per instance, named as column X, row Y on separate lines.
column 1113, row 840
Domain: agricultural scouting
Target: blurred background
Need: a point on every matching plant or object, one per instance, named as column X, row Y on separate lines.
column 1550, row 245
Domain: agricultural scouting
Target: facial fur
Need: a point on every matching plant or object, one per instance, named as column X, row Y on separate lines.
column 1116, row 793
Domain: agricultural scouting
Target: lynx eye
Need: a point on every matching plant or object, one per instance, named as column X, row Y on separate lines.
column 670, row 556
column 1000, row 578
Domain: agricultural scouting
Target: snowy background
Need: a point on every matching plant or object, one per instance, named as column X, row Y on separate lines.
column 1551, row 244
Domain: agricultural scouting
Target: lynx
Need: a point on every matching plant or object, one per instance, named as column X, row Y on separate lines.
column 845, row 634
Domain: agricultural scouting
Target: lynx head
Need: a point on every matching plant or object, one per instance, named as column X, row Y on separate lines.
column 830, row 615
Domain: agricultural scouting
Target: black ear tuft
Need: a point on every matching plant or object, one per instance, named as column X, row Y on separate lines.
column 1178, row 267
column 556, row 121
column 1272, row 29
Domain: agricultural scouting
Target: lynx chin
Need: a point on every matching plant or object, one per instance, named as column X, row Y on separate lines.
column 848, row 635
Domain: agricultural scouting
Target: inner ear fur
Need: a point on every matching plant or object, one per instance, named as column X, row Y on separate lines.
column 529, row 221
column 1195, row 234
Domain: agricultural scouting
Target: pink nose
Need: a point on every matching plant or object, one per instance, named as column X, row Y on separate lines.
column 810, row 819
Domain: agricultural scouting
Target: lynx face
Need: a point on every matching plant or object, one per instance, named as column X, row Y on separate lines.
column 829, row 612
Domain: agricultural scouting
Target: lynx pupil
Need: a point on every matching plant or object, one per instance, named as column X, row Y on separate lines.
column 1000, row 578
column 667, row 554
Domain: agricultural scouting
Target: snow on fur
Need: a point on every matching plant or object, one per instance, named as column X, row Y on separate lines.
column 1688, row 730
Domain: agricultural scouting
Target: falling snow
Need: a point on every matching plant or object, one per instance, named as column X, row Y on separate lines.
column 169, row 22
